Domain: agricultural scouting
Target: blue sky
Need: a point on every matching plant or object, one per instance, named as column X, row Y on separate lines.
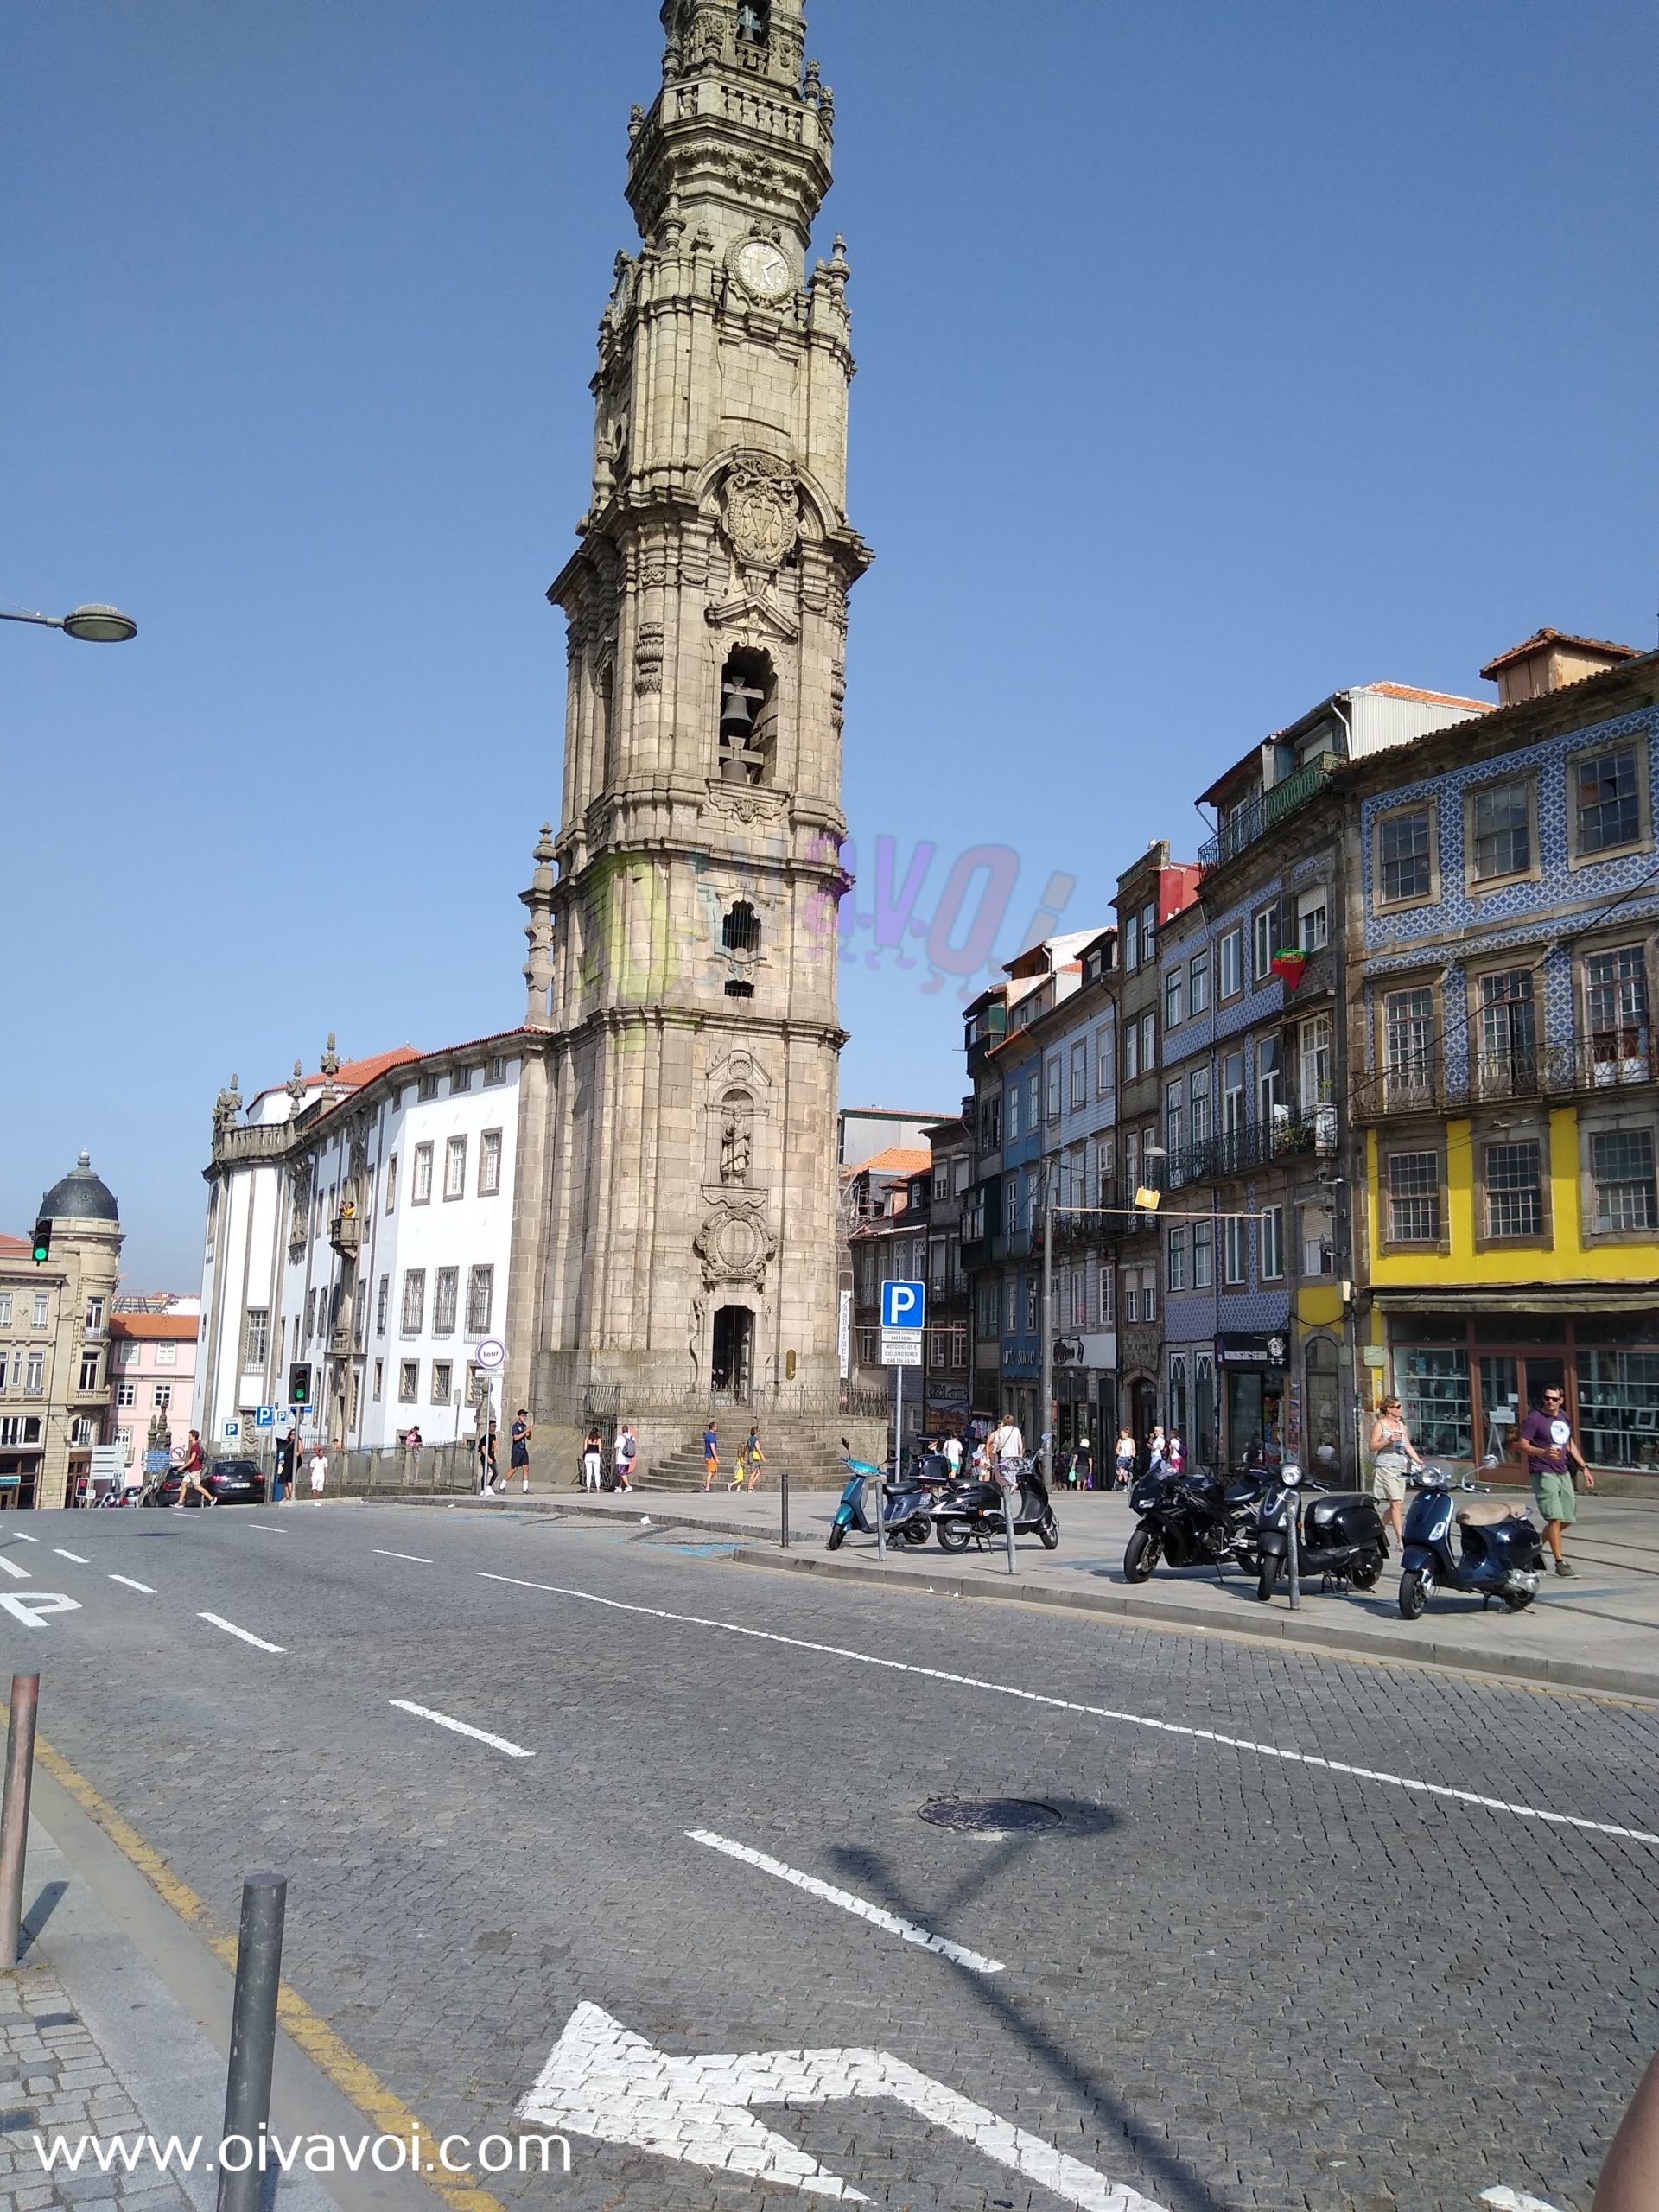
column 1211, row 357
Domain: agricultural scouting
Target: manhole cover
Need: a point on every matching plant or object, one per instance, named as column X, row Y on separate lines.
column 989, row 1817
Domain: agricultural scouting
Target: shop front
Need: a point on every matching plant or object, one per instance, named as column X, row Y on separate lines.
column 1251, row 1364
column 1085, row 1393
column 1466, row 1381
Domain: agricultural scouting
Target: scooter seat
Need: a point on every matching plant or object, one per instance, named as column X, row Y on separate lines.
column 1487, row 1512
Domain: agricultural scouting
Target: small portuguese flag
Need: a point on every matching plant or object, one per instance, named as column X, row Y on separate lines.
column 1289, row 961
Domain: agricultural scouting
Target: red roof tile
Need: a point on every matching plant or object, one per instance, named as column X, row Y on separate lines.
column 157, row 1328
column 1559, row 637
column 1432, row 698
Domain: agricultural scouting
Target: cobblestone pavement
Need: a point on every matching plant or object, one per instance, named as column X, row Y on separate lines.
column 1231, row 1980
column 54, row 2080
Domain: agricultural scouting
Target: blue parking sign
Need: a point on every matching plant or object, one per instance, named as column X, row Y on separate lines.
column 265, row 1416
column 903, row 1304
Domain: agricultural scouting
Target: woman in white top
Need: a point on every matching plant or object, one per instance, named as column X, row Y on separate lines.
column 1125, row 1456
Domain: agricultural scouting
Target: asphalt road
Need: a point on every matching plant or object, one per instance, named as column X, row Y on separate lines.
column 1224, row 1978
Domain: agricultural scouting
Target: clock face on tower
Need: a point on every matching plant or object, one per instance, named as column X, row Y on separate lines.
column 763, row 268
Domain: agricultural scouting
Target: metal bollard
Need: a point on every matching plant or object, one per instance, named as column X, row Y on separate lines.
column 253, row 2036
column 1295, row 1527
column 14, row 1812
column 1008, row 1496
column 783, row 1486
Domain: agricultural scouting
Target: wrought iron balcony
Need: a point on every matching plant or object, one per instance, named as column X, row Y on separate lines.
column 1429, row 1082
column 1253, row 1144
column 1257, row 815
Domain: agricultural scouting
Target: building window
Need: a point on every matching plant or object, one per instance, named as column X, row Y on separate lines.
column 1607, row 802
column 489, row 1164
column 1508, row 1046
column 1014, row 1111
column 455, row 1168
column 1172, row 1118
column 382, row 1302
column 480, row 1295
column 414, row 1301
column 1619, row 1407
column 1500, row 832
column 1433, row 1387
column 1174, row 983
column 1198, row 1100
column 1031, row 1100
column 162, row 1396
column 1149, row 1298
column 1178, row 1395
column 1079, row 1074
column 1203, row 1268
column 1198, row 977
column 445, row 1293
column 1273, row 1243
column 1031, row 1305
column 422, row 1194
column 1131, row 1051
column 1265, row 929
column 739, row 930
column 1409, row 1045
column 459, row 1079
column 89, row 1370
column 1177, row 1271
column 1230, row 957
column 94, row 1316
column 166, row 1355
column 1313, row 1056
column 1414, row 1197
column 1131, row 1301
column 1616, row 1014
column 1108, row 1282
column 1103, row 1059
column 1053, row 1078
column 378, row 1391
column 1405, row 865
column 1515, row 1199
column 5, row 1309
column 125, row 1355
column 1132, row 945
column 126, row 1394
column 498, row 1070
column 42, row 1309
column 1149, row 1043
column 1313, row 919
column 1621, row 1167
column 442, row 1382
column 391, row 1182
column 1235, row 1251
column 1011, row 1306
column 1318, row 1258
column 408, row 1381
column 1268, row 1083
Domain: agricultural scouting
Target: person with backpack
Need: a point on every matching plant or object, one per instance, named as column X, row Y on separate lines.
column 623, row 1454
column 518, row 1455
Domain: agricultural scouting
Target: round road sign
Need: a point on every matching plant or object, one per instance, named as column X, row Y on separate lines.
column 491, row 1354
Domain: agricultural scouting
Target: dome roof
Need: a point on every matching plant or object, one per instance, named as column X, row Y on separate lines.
column 80, row 1197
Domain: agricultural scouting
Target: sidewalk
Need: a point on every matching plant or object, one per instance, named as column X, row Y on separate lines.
column 1597, row 1631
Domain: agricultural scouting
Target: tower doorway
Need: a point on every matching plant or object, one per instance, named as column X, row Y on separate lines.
column 731, row 1369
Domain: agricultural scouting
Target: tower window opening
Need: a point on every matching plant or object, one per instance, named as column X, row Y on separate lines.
column 736, row 990
column 748, row 715
column 753, row 22
column 740, row 930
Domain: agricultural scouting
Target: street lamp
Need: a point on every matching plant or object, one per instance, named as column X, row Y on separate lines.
column 95, row 625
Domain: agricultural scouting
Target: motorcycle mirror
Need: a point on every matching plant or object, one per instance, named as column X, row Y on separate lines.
column 845, row 1445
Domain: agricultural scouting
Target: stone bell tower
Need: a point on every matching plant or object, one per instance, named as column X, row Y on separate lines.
column 683, row 921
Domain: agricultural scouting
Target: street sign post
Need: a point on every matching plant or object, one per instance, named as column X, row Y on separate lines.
column 904, row 1314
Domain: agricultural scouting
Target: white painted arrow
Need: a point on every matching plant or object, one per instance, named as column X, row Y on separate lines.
column 602, row 2080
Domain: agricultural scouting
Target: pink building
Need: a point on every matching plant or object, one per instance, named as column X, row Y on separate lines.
column 153, row 1371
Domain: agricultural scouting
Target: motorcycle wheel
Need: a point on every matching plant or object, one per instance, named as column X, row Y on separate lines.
column 915, row 1532
column 1516, row 1600
column 1366, row 1573
column 837, row 1537
column 1140, row 1555
column 953, row 1535
column 1266, row 1580
column 1050, row 1533
column 1413, row 1595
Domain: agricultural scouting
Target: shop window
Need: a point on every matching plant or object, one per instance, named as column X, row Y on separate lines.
column 1433, row 1385
column 1619, row 1408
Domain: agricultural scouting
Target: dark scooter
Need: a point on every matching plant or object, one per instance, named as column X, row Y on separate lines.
column 973, row 1512
column 1499, row 1552
column 906, row 1507
column 1340, row 1535
column 1190, row 1519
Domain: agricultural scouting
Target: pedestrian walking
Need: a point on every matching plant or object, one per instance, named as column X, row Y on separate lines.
column 710, row 1457
column 485, row 1449
column 190, row 1474
column 319, row 1473
column 1155, row 1447
column 623, row 1456
column 412, row 1445
column 1552, row 1453
column 1393, row 1457
column 1123, row 1458
column 592, row 1459
column 953, row 1455
column 1005, row 1449
column 518, row 1455
column 282, row 1474
column 756, row 1458
column 1083, row 1465
column 1174, row 1454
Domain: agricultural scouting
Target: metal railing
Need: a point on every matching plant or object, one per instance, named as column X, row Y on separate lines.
column 1585, row 1067
column 1253, row 1144
column 1257, row 815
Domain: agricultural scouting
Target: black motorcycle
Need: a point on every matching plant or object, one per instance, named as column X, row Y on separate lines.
column 1191, row 1519
column 1340, row 1535
column 974, row 1512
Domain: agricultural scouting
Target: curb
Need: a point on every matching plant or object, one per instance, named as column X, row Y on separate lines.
column 1266, row 1627
column 535, row 1508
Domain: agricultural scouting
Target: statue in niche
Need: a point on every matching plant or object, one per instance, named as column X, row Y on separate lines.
column 736, row 1147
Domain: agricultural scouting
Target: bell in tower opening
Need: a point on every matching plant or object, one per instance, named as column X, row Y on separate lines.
column 687, row 1238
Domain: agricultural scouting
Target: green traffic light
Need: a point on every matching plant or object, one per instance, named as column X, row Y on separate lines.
column 42, row 1242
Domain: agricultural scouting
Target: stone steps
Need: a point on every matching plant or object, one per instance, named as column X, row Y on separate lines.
column 812, row 1462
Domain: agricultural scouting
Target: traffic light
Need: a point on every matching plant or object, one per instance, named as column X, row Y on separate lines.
column 299, row 1386
column 42, row 1242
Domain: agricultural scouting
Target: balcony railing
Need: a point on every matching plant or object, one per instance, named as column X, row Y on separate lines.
column 1425, row 1083
column 1253, row 1144
column 1267, row 810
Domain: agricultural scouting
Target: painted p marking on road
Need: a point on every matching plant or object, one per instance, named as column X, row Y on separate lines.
column 878, row 1916
column 36, row 1609
column 602, row 2080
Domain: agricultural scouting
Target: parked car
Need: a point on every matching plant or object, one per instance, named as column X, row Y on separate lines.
column 231, row 1481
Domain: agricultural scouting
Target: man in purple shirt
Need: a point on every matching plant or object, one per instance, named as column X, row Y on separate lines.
column 1548, row 1447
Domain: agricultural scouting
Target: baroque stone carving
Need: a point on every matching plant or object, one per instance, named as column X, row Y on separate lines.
column 648, row 658
column 735, row 1245
column 760, row 510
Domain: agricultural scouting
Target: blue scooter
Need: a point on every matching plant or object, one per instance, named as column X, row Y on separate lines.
column 1498, row 1553
column 906, row 1507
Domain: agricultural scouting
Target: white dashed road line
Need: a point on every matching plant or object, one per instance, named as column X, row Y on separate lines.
column 462, row 1728
column 61, row 1553
column 878, row 1917
column 11, row 1567
column 265, row 1528
column 19, row 1537
column 128, row 1581
column 414, row 1557
column 1105, row 1713
column 246, row 1635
